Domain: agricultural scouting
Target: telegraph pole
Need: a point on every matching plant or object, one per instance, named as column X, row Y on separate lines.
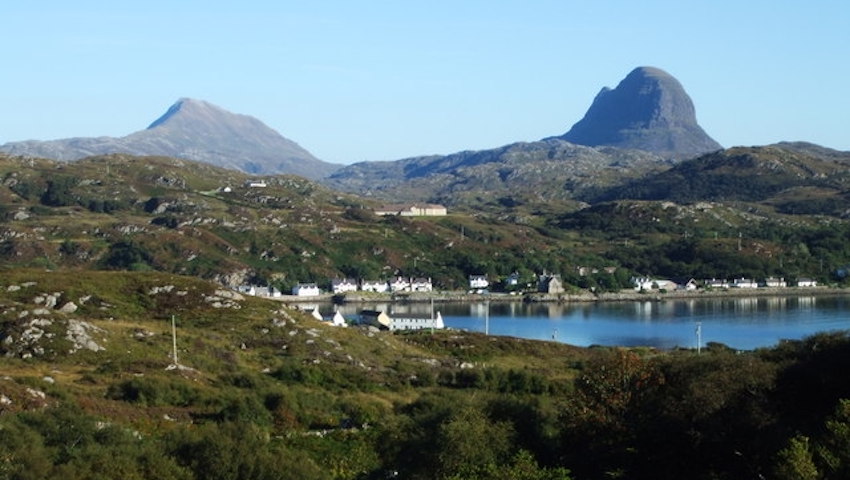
column 699, row 337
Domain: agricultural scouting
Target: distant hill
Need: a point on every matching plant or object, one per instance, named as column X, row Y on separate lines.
column 194, row 130
column 521, row 172
column 797, row 178
column 649, row 110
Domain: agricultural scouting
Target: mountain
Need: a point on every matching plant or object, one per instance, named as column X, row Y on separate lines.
column 644, row 125
column 649, row 110
column 194, row 130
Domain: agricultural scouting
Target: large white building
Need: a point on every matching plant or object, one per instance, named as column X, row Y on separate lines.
column 412, row 210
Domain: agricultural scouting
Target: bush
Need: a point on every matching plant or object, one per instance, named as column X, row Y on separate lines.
column 154, row 392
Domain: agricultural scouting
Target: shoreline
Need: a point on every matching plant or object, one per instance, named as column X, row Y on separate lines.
column 583, row 297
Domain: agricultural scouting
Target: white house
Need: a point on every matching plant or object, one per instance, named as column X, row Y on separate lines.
column 377, row 286
column 513, row 279
column 744, row 283
column 806, row 282
column 416, row 323
column 255, row 184
column 716, row 283
column 306, row 290
column 773, row 282
column 689, row 285
column 643, row 283
column 421, row 285
column 400, row 284
column 478, row 281
column 647, row 283
column 343, row 285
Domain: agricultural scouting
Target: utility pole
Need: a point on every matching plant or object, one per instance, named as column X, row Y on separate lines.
column 175, row 363
column 699, row 337
column 174, row 339
column 487, row 317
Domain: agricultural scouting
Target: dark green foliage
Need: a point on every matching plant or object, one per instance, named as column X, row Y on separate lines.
column 62, row 442
column 343, row 378
column 495, row 379
column 127, row 255
column 235, row 451
column 168, row 221
column 69, row 247
column 59, row 192
column 27, row 190
column 152, row 391
column 107, row 206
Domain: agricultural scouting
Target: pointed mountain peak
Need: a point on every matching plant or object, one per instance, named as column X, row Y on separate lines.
column 649, row 110
column 190, row 109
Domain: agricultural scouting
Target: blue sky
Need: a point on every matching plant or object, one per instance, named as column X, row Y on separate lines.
column 383, row 80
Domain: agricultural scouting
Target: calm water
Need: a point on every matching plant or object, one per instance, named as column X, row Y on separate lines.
column 742, row 323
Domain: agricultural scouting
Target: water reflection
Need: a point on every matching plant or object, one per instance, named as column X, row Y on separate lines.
column 743, row 323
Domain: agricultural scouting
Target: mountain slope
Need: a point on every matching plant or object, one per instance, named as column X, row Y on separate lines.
column 649, row 110
column 194, row 130
column 534, row 171
column 795, row 177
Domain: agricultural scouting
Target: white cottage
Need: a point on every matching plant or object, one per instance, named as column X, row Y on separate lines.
column 716, row 283
column 477, row 282
column 306, row 290
column 343, row 285
column 400, row 284
column 421, row 285
column 377, row 286
column 773, row 282
column 417, row 323
column 744, row 283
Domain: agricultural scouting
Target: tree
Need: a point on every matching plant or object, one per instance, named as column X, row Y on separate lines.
column 796, row 462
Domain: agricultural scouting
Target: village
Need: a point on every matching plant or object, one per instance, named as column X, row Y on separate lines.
column 550, row 285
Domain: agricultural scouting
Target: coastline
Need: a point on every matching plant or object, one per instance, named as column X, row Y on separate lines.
column 582, row 297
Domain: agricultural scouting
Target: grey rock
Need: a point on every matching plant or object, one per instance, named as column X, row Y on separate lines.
column 649, row 110
column 69, row 307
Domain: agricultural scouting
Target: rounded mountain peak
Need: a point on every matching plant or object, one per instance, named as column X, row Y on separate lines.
column 648, row 110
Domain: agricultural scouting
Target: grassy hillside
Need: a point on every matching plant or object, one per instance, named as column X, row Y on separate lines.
column 134, row 213
column 158, row 214
column 793, row 180
column 263, row 392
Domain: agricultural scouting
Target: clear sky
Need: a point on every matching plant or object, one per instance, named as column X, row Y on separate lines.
column 383, row 80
